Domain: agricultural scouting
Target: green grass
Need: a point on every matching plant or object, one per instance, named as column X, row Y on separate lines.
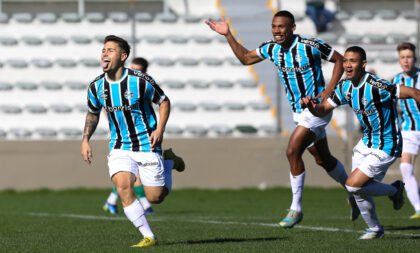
column 198, row 221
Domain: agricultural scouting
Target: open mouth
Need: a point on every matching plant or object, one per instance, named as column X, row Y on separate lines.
column 105, row 63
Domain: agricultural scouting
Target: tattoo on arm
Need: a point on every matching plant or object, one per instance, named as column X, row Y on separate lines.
column 90, row 124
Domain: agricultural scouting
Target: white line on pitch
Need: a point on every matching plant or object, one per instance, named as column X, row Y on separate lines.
column 93, row 217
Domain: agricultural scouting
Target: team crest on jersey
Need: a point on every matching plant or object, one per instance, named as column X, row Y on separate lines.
column 279, row 56
column 103, row 94
column 347, row 95
column 298, row 58
column 364, row 101
column 128, row 94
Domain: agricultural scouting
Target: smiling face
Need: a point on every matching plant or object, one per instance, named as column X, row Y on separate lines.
column 112, row 57
column 282, row 29
column 354, row 66
column 407, row 60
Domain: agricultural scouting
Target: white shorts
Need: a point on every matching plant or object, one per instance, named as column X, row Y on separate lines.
column 149, row 165
column 371, row 161
column 411, row 142
column 315, row 124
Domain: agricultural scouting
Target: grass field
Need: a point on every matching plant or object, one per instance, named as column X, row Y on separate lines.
column 198, row 221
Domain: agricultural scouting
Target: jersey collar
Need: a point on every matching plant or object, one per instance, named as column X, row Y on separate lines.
column 122, row 77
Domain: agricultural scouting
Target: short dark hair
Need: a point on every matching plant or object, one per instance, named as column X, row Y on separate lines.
column 286, row 14
column 142, row 62
column 358, row 50
column 122, row 43
column 406, row 45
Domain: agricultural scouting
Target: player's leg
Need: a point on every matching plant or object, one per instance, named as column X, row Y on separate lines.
column 179, row 164
column 141, row 195
column 123, row 171
column 299, row 140
column 110, row 204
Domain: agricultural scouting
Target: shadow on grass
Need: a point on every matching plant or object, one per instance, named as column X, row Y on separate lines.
column 223, row 240
column 403, row 228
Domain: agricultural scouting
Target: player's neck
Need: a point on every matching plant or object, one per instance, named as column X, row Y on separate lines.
column 115, row 76
column 357, row 80
column 411, row 72
column 288, row 42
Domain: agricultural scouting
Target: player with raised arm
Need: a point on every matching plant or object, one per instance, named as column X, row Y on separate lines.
column 410, row 123
column 136, row 135
column 170, row 160
column 298, row 60
column 373, row 100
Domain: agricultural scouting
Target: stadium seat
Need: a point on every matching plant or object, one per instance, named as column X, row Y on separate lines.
column 70, row 17
column 246, row 129
column 100, row 132
column 33, row 108
column 189, row 18
column 259, row 106
column 20, row 132
column 214, row 16
column 211, row 61
column 329, row 37
column 268, row 129
column 4, row 18
column 398, row 38
column 198, row 84
column 387, row 14
column 186, row 107
column 60, row 108
column 233, row 61
column 153, row 39
column 4, row 86
column 45, row 132
column 247, row 84
column 48, row 85
column 201, row 39
column 31, row 40
column 388, row 59
column 351, row 39
column 143, row 17
column 232, row 106
column 70, row 132
column 173, row 84
column 363, row 14
column 221, row 130
column 163, row 61
column 25, row 85
column 166, row 17
column 79, row 39
column 8, row 41
column 3, row 133
column 210, row 106
column 81, row 108
column 173, row 130
column 66, row 63
column 342, row 15
column 409, row 14
column 224, row 84
column 90, row 62
column 46, row 17
column 74, row 85
column 187, row 61
column 95, row 17
column 56, row 40
column 17, row 63
column 22, row 17
column 10, row 109
column 118, row 17
column 220, row 39
column 374, row 38
column 196, row 130
column 41, row 63
column 177, row 39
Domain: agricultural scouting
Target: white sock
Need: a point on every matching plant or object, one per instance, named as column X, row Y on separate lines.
column 411, row 186
column 112, row 199
column 339, row 174
column 135, row 213
column 145, row 203
column 367, row 210
column 374, row 189
column 297, row 183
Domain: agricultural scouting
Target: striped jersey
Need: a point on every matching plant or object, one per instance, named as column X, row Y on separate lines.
column 374, row 103
column 410, row 109
column 299, row 66
column 128, row 104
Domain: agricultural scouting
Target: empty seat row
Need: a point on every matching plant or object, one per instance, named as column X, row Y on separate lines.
column 369, row 38
column 200, row 84
column 383, row 14
column 45, row 132
column 48, row 85
column 40, row 109
column 210, row 106
column 219, row 130
column 99, row 17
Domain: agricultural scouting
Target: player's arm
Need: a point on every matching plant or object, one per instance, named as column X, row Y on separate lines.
column 319, row 110
column 245, row 56
column 157, row 136
column 338, row 70
column 91, row 123
column 408, row 92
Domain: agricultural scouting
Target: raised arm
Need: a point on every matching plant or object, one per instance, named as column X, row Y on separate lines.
column 319, row 110
column 338, row 70
column 245, row 56
column 91, row 123
column 408, row 92
column 157, row 136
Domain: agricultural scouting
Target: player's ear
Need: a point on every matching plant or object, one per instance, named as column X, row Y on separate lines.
column 293, row 27
column 124, row 56
column 364, row 63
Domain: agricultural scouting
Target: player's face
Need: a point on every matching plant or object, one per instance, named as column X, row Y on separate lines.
column 353, row 66
column 282, row 29
column 137, row 67
column 112, row 57
column 407, row 60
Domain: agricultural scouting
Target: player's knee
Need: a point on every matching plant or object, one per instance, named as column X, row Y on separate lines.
column 352, row 189
column 291, row 152
column 156, row 198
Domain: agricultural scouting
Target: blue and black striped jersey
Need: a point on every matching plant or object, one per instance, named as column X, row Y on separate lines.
column 128, row 104
column 299, row 66
column 374, row 103
column 410, row 109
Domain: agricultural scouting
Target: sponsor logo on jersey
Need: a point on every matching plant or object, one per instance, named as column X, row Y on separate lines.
column 148, row 164
column 128, row 94
column 364, row 101
column 311, row 42
column 103, row 94
column 347, row 95
column 122, row 107
column 365, row 112
column 294, row 69
column 298, row 58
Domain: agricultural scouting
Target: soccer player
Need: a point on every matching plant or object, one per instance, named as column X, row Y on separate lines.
column 136, row 135
column 171, row 160
column 298, row 60
column 373, row 100
column 410, row 123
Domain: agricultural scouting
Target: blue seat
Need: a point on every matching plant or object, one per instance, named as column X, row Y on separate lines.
column 31, row 40
column 26, row 85
column 46, row 17
column 70, row 17
column 196, row 130
column 22, row 17
column 173, row 130
column 189, row 18
column 10, row 109
column 177, row 39
column 95, row 17
column 20, row 132
column 201, row 39
column 118, row 17
column 4, row 18
column 36, row 108
column 387, row 14
column 8, row 41
column 221, row 130
column 363, row 14
column 210, row 106
column 234, row 106
column 5, row 86
column 143, row 17
column 166, row 17
column 80, row 39
column 186, row 107
column 70, row 132
column 248, row 84
column 60, row 108
column 41, row 63
column 224, row 84
column 163, row 61
column 198, row 84
column 51, row 85
column 56, row 40
column 66, row 63
column 17, row 63
column 185, row 61
column 174, row 84
column 45, row 132
column 211, row 61
column 90, row 62
column 75, row 85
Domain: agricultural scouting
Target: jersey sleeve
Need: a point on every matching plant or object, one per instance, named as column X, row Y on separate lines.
column 263, row 51
column 326, row 50
column 94, row 106
column 154, row 92
column 338, row 97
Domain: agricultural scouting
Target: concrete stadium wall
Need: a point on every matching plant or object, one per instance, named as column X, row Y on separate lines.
column 211, row 163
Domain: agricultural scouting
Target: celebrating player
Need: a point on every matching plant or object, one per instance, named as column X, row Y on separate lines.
column 410, row 123
column 136, row 136
column 171, row 160
column 373, row 100
column 298, row 60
